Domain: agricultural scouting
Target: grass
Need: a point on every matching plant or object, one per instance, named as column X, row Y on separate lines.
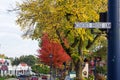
column 2, row 78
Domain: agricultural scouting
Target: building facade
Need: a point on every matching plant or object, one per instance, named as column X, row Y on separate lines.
column 6, row 68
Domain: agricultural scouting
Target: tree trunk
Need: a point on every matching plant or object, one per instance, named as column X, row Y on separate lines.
column 78, row 69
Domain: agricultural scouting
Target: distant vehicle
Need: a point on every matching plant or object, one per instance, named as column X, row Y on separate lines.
column 23, row 77
column 44, row 77
column 34, row 78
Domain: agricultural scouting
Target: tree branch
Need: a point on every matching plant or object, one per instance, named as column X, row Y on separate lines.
column 62, row 43
column 91, row 43
column 67, row 33
column 76, row 40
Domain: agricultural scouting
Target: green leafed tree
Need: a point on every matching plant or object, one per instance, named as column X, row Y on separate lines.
column 57, row 18
column 40, row 69
column 30, row 60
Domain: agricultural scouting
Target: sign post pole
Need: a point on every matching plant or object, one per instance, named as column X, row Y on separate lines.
column 114, row 40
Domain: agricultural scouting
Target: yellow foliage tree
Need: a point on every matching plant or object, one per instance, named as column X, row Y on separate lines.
column 57, row 18
column 2, row 56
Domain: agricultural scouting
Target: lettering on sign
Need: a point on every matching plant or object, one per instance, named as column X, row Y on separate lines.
column 93, row 25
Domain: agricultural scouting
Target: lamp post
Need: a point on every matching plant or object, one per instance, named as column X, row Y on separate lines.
column 50, row 56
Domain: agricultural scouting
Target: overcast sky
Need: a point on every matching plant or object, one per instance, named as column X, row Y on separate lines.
column 11, row 42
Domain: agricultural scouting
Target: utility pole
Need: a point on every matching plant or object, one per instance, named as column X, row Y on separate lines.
column 114, row 40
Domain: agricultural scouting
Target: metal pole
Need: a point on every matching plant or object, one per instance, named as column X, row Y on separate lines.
column 114, row 40
column 50, row 66
column 50, row 69
column 95, row 69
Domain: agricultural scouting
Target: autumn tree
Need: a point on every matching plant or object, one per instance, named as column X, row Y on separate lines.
column 50, row 47
column 57, row 19
column 2, row 55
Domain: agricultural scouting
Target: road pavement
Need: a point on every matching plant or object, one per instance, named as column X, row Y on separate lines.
column 17, row 79
column 12, row 79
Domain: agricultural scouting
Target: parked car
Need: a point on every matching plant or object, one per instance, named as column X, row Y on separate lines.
column 44, row 77
column 23, row 77
column 34, row 78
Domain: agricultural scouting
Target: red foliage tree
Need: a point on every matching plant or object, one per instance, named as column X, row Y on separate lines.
column 51, row 47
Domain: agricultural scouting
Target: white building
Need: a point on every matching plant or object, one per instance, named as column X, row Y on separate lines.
column 7, row 69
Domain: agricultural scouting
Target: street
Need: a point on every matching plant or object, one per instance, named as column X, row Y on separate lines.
column 11, row 79
column 17, row 79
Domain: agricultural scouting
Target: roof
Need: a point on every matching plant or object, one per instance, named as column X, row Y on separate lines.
column 23, row 64
column 2, row 61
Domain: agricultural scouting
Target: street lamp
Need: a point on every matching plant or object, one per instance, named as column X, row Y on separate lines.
column 50, row 56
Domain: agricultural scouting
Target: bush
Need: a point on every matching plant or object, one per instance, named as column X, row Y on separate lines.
column 13, row 76
column 102, row 70
column 2, row 78
column 98, row 77
column 76, row 78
